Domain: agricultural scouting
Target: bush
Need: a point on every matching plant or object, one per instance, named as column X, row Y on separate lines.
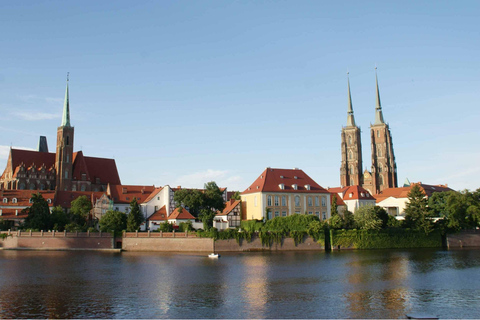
column 185, row 226
column 165, row 227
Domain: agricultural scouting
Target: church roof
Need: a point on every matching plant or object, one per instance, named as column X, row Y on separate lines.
column 272, row 180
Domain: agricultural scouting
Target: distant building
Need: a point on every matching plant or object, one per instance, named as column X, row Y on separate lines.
column 394, row 200
column 63, row 170
column 283, row 192
column 383, row 173
column 230, row 217
column 354, row 197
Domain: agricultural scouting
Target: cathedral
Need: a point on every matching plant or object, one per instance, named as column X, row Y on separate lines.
column 383, row 172
column 63, row 170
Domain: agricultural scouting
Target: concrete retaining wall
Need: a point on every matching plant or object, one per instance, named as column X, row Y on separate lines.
column 168, row 244
column 470, row 238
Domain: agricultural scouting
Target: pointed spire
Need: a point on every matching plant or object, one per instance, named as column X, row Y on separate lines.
column 350, row 118
column 66, row 109
column 378, row 109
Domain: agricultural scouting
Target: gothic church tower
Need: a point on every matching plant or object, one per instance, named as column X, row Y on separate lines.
column 351, row 167
column 64, row 155
column 384, row 168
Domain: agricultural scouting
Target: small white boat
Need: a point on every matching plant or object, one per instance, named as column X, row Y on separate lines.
column 422, row 316
column 214, row 255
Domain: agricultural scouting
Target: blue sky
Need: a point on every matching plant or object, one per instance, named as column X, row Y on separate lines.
column 185, row 92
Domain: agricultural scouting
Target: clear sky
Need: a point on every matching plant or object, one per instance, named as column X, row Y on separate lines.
column 185, row 92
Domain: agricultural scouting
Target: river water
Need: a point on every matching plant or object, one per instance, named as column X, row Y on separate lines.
column 346, row 284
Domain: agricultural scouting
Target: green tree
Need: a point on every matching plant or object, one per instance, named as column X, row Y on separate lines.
column 59, row 218
column 366, row 218
column 112, row 220
column 348, row 220
column 336, row 222
column 236, row 195
column 165, row 227
column 334, row 208
column 38, row 214
column 134, row 218
column 213, row 197
column 80, row 210
column 192, row 198
column 417, row 215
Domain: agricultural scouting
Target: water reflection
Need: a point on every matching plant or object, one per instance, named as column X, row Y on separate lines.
column 362, row 284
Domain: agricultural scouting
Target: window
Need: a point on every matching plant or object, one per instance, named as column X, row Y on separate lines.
column 14, row 200
column 317, row 202
column 284, row 201
column 282, row 186
column 269, row 215
column 5, row 200
column 317, row 213
column 310, row 212
column 349, row 155
column 30, row 200
column 32, row 186
column 297, row 201
column 295, row 186
column 49, row 201
column 158, row 198
column 351, row 182
column 324, row 215
column 284, row 213
column 276, row 203
column 349, row 139
column 67, row 158
column 307, row 187
column 324, row 201
column 68, row 140
column 66, row 174
column 378, row 134
column 84, row 176
column 310, row 203
column 269, row 201
column 22, row 186
column 350, row 194
column 277, row 213
column 82, row 187
column 380, row 179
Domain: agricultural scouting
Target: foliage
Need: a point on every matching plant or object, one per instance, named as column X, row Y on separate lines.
column 334, row 208
column 393, row 223
column 348, row 220
column 336, row 222
column 191, row 198
column 80, row 210
column 207, row 216
column 5, row 225
column 59, row 218
column 135, row 217
column 213, row 197
column 185, row 226
column 388, row 238
column 73, row 227
column 236, row 195
column 295, row 222
column 38, row 214
column 417, row 215
column 366, row 218
column 165, row 227
column 251, row 225
column 316, row 230
column 3, row 236
column 112, row 220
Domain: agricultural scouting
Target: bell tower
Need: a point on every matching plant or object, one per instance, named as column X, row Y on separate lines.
column 64, row 155
column 351, row 167
column 384, row 168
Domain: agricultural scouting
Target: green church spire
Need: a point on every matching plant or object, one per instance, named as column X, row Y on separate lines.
column 350, row 118
column 66, row 109
column 378, row 109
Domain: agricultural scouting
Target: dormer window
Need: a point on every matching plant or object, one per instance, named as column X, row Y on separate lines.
column 282, row 186
column 49, row 201
column 307, row 187
column 295, row 186
column 258, row 187
column 362, row 194
column 5, row 200
column 350, row 195
column 295, row 177
column 281, row 177
column 14, row 200
column 261, row 177
column 30, row 200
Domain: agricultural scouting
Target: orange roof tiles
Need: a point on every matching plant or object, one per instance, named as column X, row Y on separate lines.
column 153, row 194
column 402, row 192
column 126, row 193
column 159, row 215
column 229, row 206
column 23, row 197
column 183, row 215
column 271, row 179
column 64, row 198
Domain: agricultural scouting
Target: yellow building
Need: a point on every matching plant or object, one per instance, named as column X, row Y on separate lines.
column 283, row 192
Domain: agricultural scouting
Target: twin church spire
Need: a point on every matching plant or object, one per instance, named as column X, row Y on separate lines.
column 66, row 108
column 384, row 171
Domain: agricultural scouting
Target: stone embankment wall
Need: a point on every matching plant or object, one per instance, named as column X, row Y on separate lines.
column 188, row 242
column 57, row 241
column 467, row 238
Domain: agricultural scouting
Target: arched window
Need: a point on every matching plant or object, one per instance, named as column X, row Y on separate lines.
column 378, row 133
column 5, row 200
column 82, row 187
column 66, row 174
column 351, row 169
column 297, row 201
column 67, row 158
column 42, row 187
column 379, row 152
column 269, row 201
column 14, row 200
column 351, row 182
column 380, row 180
column 349, row 140
column 32, row 186
column 22, row 186
column 68, row 141
column 350, row 155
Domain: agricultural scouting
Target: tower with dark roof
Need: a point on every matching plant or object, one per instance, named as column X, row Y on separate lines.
column 384, row 168
column 351, row 166
column 64, row 154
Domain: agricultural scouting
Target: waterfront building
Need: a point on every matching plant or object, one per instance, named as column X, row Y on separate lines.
column 341, row 206
column 394, row 200
column 354, row 197
column 14, row 201
column 283, row 192
column 230, row 217
column 383, row 172
column 63, row 170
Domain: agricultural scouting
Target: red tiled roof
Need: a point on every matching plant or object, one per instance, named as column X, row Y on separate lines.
column 159, row 215
column 23, row 197
column 427, row 189
column 338, row 198
column 29, row 157
column 229, row 206
column 270, row 180
column 125, row 194
column 10, row 214
column 184, row 215
column 357, row 193
column 105, row 169
column 153, row 194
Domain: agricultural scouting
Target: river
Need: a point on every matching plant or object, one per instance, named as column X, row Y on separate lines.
column 345, row 284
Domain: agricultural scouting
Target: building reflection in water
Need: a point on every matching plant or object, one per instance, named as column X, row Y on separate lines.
column 378, row 283
column 255, row 285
